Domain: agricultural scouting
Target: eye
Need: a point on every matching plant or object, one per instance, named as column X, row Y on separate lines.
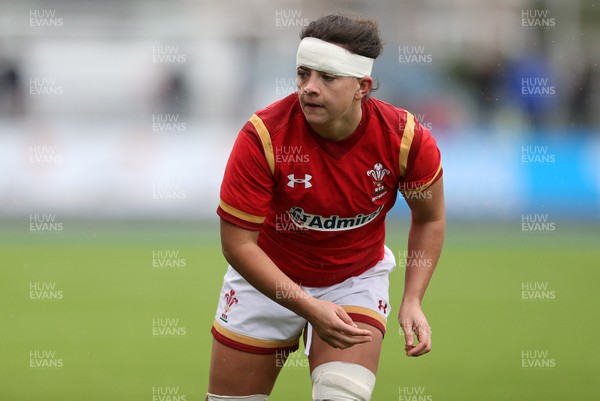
column 302, row 74
column 329, row 78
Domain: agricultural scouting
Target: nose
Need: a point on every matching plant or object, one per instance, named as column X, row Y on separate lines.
column 310, row 86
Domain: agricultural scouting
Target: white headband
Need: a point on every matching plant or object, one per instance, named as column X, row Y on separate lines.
column 319, row 55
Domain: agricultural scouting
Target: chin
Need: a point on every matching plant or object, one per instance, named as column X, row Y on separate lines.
column 315, row 115
column 314, row 120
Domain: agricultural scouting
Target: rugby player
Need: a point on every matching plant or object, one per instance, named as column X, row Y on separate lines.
column 304, row 197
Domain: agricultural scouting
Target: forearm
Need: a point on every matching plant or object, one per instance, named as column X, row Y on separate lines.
column 425, row 241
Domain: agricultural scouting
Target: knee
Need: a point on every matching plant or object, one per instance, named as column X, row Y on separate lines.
column 342, row 381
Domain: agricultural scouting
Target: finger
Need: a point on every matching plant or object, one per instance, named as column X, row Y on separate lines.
column 354, row 340
column 349, row 327
column 420, row 349
column 344, row 342
column 408, row 335
column 335, row 343
column 341, row 339
column 356, row 332
column 423, row 333
column 424, row 346
column 345, row 317
column 350, row 336
column 353, row 335
column 343, row 329
column 347, row 342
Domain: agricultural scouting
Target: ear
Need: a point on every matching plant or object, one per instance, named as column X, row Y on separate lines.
column 365, row 85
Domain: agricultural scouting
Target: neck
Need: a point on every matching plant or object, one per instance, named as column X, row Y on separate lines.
column 343, row 127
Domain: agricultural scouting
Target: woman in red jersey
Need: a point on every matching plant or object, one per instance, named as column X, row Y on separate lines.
column 303, row 203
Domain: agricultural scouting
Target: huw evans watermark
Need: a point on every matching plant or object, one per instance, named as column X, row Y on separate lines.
column 45, row 359
column 537, row 223
column 168, row 259
column 167, row 393
column 45, row 18
column 291, row 359
column 45, row 223
column 168, row 190
column 45, row 86
column 291, row 154
column 45, row 154
column 290, row 19
column 168, row 327
column 411, row 54
column 166, row 123
column 537, row 87
column 413, row 393
column 537, row 359
column 541, row 19
column 414, row 259
column 168, row 54
column 422, row 119
column 537, row 291
column 44, row 291
column 536, row 154
column 285, row 86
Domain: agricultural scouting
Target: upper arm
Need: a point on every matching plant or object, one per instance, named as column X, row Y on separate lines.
column 233, row 237
column 248, row 183
column 421, row 183
column 427, row 205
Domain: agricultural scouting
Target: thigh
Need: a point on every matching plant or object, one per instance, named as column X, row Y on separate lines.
column 365, row 297
column 366, row 300
column 366, row 354
column 252, row 337
column 248, row 321
column 238, row 373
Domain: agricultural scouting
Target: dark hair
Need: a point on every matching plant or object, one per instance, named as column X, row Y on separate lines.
column 358, row 35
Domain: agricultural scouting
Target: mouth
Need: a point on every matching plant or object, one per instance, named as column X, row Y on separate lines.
column 312, row 106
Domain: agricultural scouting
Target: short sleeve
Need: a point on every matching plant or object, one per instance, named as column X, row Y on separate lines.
column 424, row 164
column 247, row 186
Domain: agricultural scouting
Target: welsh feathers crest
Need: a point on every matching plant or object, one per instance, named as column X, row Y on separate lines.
column 378, row 173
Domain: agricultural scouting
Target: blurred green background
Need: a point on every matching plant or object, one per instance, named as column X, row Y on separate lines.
column 490, row 341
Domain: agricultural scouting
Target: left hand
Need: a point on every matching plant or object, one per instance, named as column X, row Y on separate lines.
column 333, row 325
column 413, row 321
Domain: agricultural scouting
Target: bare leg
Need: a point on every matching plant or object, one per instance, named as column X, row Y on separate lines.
column 366, row 354
column 238, row 373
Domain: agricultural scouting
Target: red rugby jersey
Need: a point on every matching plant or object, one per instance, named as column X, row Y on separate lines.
column 320, row 204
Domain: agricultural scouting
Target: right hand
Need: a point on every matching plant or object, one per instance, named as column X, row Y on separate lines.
column 335, row 327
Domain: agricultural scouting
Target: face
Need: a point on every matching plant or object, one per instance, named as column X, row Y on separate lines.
column 328, row 99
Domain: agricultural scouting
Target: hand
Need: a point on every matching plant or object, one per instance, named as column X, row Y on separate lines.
column 335, row 327
column 413, row 321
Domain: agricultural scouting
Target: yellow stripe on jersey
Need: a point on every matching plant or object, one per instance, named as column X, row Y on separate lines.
column 361, row 310
column 241, row 215
column 407, row 138
column 255, row 342
column 427, row 184
column 265, row 138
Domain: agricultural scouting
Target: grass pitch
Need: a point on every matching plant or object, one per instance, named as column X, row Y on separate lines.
column 114, row 311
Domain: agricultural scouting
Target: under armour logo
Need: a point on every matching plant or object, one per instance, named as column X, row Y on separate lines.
column 383, row 306
column 293, row 181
